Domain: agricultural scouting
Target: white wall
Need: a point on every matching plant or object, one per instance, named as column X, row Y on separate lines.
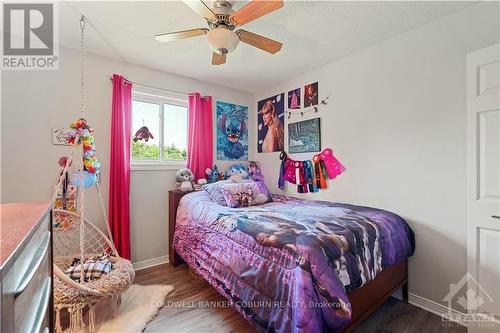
column 33, row 102
column 396, row 119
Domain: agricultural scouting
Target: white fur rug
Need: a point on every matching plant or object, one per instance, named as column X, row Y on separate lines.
column 139, row 305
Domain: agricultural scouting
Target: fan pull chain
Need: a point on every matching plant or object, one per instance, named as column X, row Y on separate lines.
column 82, row 74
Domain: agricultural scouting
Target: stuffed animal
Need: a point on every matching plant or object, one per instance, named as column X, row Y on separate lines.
column 213, row 174
column 184, row 178
column 237, row 172
column 244, row 198
column 143, row 133
column 199, row 183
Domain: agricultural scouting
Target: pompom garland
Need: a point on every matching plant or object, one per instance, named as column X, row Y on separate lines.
column 81, row 129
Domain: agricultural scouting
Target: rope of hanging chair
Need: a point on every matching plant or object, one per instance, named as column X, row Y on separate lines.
column 108, row 228
column 82, row 66
column 81, row 208
column 81, row 205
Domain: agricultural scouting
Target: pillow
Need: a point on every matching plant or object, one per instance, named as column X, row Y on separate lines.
column 213, row 190
column 237, row 172
column 246, row 194
column 93, row 268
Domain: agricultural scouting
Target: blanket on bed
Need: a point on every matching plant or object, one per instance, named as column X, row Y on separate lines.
column 287, row 266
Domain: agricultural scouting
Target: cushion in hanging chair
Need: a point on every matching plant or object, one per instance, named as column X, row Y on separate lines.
column 116, row 281
column 92, row 269
column 112, row 284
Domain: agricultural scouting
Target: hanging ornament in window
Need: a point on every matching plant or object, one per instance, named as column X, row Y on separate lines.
column 143, row 133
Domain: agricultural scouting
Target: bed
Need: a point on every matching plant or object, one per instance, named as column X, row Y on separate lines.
column 296, row 265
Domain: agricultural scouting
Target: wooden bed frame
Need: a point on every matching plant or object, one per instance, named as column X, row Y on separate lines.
column 366, row 299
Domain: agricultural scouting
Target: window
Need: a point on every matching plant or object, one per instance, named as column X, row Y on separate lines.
column 160, row 123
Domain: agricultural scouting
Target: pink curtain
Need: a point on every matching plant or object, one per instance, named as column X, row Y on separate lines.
column 200, row 135
column 119, row 169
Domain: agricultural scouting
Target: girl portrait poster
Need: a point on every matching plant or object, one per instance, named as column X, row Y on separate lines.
column 311, row 95
column 270, row 120
column 294, row 99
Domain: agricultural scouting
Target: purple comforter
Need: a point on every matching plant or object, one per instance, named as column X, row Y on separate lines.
column 287, row 266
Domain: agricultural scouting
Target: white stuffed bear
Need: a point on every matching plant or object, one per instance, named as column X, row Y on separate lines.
column 184, row 178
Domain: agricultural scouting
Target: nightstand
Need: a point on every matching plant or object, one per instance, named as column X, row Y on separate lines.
column 174, row 196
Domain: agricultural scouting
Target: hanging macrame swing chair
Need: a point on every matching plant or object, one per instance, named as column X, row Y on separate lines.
column 76, row 240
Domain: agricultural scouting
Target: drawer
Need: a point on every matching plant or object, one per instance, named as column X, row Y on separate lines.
column 32, row 313
column 30, row 306
column 45, row 323
column 31, row 255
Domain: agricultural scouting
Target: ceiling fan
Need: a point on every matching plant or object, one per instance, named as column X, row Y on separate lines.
column 222, row 21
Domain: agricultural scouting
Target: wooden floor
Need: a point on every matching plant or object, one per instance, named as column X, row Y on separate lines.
column 182, row 311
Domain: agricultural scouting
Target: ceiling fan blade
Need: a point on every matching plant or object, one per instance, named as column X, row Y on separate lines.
column 172, row 36
column 201, row 8
column 259, row 41
column 254, row 10
column 218, row 59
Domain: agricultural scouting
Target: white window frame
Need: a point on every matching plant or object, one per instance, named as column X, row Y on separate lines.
column 150, row 95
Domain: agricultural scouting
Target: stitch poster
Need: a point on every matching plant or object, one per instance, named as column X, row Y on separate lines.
column 232, row 132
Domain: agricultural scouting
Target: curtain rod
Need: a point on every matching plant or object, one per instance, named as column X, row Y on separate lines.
column 149, row 86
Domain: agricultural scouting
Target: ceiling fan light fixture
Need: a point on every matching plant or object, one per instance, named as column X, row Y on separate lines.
column 222, row 40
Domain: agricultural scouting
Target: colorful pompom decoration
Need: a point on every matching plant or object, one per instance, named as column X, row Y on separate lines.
column 82, row 130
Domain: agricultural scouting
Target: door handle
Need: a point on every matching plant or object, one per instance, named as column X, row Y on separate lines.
column 495, row 217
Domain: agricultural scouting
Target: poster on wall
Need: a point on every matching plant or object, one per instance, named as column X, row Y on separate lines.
column 294, row 99
column 232, row 132
column 60, row 136
column 304, row 136
column 311, row 95
column 270, row 120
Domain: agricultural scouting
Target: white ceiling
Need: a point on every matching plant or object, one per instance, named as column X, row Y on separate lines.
column 313, row 33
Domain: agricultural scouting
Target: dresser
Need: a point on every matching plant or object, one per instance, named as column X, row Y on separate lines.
column 174, row 196
column 26, row 267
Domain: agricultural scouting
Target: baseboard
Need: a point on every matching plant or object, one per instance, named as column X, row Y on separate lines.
column 436, row 308
column 150, row 263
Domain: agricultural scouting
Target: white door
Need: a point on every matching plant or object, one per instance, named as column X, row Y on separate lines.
column 483, row 180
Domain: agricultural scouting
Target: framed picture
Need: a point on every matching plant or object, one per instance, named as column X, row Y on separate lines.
column 232, row 132
column 270, row 123
column 311, row 97
column 294, row 99
column 304, row 136
column 59, row 136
